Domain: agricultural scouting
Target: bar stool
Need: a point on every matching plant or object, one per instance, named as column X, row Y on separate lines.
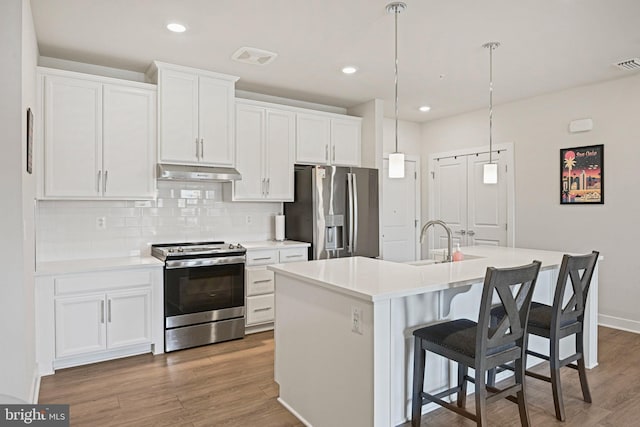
column 559, row 321
column 481, row 347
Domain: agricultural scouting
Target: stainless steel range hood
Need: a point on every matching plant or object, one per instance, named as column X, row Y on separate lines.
column 197, row 173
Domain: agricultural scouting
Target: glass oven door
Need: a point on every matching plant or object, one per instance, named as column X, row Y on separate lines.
column 196, row 289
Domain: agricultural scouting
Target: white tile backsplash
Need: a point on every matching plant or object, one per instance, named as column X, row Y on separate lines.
column 182, row 212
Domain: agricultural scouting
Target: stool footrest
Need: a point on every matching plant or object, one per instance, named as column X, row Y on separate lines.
column 433, row 398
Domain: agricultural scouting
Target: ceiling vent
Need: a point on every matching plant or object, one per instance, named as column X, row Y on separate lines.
column 629, row 64
column 251, row 55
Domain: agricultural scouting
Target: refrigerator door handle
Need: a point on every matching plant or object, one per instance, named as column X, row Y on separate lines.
column 354, row 184
column 350, row 207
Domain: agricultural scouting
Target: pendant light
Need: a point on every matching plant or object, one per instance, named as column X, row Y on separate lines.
column 396, row 159
column 490, row 171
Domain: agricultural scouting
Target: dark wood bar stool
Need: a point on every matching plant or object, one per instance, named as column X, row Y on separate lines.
column 480, row 346
column 559, row 321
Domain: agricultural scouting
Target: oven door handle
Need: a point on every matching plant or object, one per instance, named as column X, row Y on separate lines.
column 203, row 262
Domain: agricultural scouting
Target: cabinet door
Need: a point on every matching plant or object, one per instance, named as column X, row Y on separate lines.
column 345, row 142
column 72, row 137
column 312, row 139
column 260, row 309
column 129, row 139
column 179, row 140
column 250, row 158
column 128, row 317
column 216, row 106
column 80, row 325
column 279, row 141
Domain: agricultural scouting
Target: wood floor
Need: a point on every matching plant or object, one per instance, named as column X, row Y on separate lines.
column 231, row 384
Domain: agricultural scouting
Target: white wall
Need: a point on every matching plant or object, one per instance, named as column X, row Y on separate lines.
column 538, row 127
column 19, row 51
column 409, row 137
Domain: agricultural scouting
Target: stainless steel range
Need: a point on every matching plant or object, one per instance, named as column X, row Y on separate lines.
column 203, row 293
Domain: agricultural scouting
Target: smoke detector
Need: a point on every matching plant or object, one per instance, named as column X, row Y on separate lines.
column 251, row 55
column 629, row 64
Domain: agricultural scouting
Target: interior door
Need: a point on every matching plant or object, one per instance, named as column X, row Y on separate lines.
column 400, row 220
column 475, row 212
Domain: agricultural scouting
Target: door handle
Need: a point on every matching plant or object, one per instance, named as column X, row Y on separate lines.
column 255, row 310
column 201, row 148
column 98, row 181
column 109, row 311
column 263, row 186
column 268, row 185
column 471, row 233
column 102, row 311
column 334, row 153
column 462, row 232
column 355, row 211
column 326, row 152
column 262, row 281
column 350, row 207
column 104, row 184
column 197, row 150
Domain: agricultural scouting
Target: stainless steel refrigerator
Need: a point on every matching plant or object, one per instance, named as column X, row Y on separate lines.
column 336, row 210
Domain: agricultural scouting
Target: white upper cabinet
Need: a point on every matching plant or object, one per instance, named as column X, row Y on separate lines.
column 196, row 122
column 328, row 139
column 98, row 137
column 265, row 139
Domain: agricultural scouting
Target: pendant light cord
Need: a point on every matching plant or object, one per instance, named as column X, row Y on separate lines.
column 491, row 101
column 396, row 12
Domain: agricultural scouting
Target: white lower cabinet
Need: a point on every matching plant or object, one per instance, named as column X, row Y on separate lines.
column 260, row 284
column 90, row 317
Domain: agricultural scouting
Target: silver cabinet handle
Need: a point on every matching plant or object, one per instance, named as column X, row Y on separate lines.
column 268, row 185
column 102, row 311
column 334, row 153
column 326, row 152
column 197, row 150
column 109, row 311
column 104, row 184
column 98, row 181
column 262, row 258
column 201, row 148
column 294, row 256
column 264, row 183
column 262, row 281
column 462, row 232
column 471, row 233
column 261, row 309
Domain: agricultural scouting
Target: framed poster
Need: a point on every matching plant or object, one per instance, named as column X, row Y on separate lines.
column 29, row 141
column 582, row 175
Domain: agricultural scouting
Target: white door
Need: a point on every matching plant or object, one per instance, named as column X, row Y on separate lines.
column 80, row 325
column 179, row 140
column 280, row 144
column 72, row 137
column 400, row 214
column 312, row 139
column 128, row 318
column 216, row 106
column 250, row 158
column 129, row 139
column 345, row 142
column 475, row 212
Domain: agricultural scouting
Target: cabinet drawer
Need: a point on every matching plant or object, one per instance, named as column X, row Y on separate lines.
column 260, row 309
column 262, row 257
column 259, row 281
column 293, row 254
column 94, row 282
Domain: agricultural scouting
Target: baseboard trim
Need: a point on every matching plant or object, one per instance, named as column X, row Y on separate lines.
column 35, row 386
column 619, row 323
column 295, row 414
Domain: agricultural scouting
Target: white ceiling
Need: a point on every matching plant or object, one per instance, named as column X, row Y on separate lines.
column 547, row 45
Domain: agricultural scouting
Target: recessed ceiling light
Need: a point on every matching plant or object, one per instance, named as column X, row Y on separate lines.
column 176, row 28
column 349, row 69
column 424, row 108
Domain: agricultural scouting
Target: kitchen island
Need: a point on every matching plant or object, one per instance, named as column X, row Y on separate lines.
column 343, row 329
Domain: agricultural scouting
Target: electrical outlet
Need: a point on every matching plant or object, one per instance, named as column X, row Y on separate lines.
column 101, row 223
column 356, row 320
column 248, row 219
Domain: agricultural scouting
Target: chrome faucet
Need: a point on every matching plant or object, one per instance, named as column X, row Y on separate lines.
column 448, row 230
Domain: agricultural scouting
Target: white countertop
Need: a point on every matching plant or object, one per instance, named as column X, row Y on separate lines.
column 97, row 264
column 272, row 244
column 375, row 280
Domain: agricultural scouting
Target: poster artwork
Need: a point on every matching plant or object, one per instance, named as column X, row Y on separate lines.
column 582, row 175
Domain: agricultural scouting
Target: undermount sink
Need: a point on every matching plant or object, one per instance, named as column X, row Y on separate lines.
column 434, row 261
